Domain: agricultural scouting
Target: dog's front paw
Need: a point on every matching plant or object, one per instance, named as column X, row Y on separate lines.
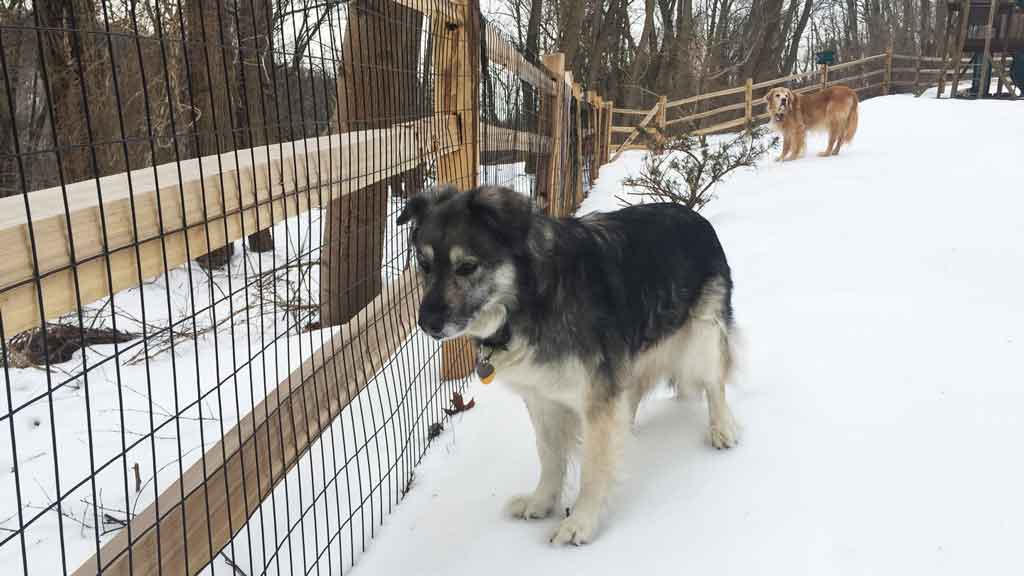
column 778, row 158
column 724, row 434
column 577, row 529
column 530, row 506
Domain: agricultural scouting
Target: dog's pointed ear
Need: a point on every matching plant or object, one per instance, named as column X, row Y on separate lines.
column 417, row 207
column 505, row 212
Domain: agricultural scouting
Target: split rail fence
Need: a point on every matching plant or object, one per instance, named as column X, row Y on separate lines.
column 741, row 107
column 207, row 313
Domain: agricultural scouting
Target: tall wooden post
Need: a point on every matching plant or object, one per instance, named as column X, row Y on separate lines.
column 824, row 76
column 608, row 131
column 593, row 122
column 965, row 12
column 917, row 76
column 748, row 100
column 945, row 53
column 378, row 63
column 577, row 94
column 660, row 119
column 887, row 80
column 456, row 60
column 986, row 56
column 555, row 63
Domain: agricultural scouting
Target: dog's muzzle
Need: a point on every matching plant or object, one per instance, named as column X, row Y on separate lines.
column 433, row 321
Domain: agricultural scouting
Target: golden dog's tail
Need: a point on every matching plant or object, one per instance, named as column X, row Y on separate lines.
column 851, row 123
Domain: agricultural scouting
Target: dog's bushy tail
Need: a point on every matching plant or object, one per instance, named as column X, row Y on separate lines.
column 851, row 123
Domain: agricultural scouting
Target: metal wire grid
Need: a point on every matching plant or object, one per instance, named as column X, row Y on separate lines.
column 115, row 89
column 514, row 135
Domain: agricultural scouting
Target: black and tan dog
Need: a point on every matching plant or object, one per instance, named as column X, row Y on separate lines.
column 581, row 317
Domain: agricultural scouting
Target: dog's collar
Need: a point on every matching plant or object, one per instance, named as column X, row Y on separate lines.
column 486, row 347
column 499, row 340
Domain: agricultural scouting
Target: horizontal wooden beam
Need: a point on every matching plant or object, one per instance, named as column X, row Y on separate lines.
column 852, row 63
column 879, row 72
column 499, row 139
column 708, row 113
column 721, row 127
column 161, row 217
column 443, row 9
column 224, row 488
column 699, row 97
column 501, row 52
column 632, row 111
column 784, row 79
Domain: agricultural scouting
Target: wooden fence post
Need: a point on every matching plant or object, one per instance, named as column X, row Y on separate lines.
column 577, row 94
column 965, row 11
column 888, row 71
column 608, row 131
column 456, row 58
column 824, row 76
column 662, row 110
column 595, row 120
column 555, row 63
column 945, row 53
column 917, row 76
column 748, row 110
column 986, row 56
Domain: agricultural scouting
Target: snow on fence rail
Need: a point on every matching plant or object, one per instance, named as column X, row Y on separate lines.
column 173, row 406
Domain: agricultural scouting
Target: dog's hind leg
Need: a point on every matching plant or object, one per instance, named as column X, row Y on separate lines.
column 556, row 428
column 605, row 426
column 838, row 129
column 834, row 140
column 706, row 362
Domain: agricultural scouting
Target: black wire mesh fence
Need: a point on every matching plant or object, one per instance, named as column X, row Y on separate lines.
column 210, row 361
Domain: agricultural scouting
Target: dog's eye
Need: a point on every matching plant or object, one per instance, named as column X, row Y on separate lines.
column 424, row 265
column 466, row 268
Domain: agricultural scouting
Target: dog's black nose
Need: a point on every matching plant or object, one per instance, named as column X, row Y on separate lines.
column 432, row 322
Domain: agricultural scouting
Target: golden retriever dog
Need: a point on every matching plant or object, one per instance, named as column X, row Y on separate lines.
column 833, row 109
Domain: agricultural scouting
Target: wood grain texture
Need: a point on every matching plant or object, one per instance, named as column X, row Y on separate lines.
column 158, row 218
column 456, row 57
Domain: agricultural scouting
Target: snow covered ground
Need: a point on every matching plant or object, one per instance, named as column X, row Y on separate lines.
column 881, row 391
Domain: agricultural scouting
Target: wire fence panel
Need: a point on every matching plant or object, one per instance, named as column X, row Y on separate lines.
column 209, row 346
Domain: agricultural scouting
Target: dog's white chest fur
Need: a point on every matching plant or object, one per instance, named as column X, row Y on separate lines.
column 563, row 382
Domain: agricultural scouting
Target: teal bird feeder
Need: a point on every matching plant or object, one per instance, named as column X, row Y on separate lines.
column 826, row 57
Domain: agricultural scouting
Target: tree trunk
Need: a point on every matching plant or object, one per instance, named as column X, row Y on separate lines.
column 67, row 51
column 765, row 28
column 377, row 87
column 212, row 125
column 798, row 33
column 251, row 108
column 925, row 20
column 574, row 11
column 643, row 56
column 852, row 30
